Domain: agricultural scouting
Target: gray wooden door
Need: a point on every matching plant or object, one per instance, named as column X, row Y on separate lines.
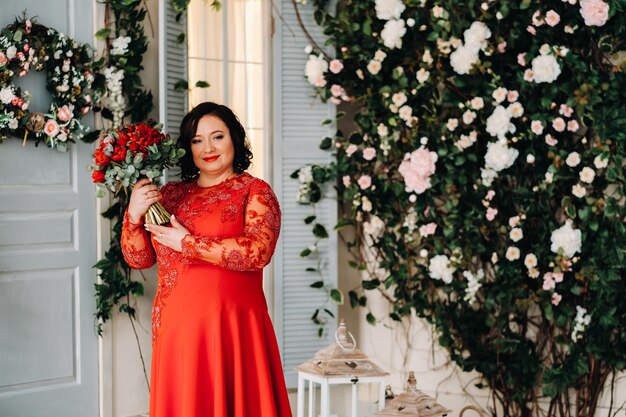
column 48, row 346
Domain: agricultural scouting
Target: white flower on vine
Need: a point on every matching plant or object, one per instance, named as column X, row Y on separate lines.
column 392, row 33
column 439, row 268
column 314, row 70
column 389, row 9
column 120, row 45
column 422, row 75
column 567, row 239
column 463, row 59
column 499, row 123
column 545, row 69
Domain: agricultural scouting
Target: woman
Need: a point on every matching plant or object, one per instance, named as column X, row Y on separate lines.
column 214, row 348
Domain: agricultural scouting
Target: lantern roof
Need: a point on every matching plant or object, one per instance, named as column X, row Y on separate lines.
column 341, row 359
column 413, row 402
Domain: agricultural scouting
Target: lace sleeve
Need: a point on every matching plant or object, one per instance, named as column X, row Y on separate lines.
column 253, row 249
column 136, row 246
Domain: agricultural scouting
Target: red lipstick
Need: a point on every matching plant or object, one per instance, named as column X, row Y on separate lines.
column 211, row 158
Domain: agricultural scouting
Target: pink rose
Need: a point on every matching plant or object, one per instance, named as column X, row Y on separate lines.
column 336, row 90
column 556, row 299
column 51, row 128
column 531, row 30
column 25, row 106
column 491, row 213
column 64, row 114
column 3, row 59
column 552, row 18
column 573, row 126
column 521, row 59
column 428, row 229
column 548, row 282
column 558, row 124
column 346, row 180
column 550, row 140
column 566, row 110
column 29, row 25
column 416, row 169
column 537, row 127
column 26, row 47
column 595, row 12
column 369, row 154
column 335, row 66
column 365, row 181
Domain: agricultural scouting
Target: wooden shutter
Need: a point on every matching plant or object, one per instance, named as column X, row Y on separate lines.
column 297, row 132
column 173, row 105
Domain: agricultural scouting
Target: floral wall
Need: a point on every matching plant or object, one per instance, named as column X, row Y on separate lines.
column 483, row 178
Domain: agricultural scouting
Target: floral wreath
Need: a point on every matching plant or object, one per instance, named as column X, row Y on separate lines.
column 25, row 45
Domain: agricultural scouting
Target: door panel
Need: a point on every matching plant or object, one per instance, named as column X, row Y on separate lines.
column 48, row 343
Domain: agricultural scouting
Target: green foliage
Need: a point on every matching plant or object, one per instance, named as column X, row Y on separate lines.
column 469, row 245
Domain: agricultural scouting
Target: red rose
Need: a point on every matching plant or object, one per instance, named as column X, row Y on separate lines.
column 100, row 158
column 98, row 176
column 119, row 154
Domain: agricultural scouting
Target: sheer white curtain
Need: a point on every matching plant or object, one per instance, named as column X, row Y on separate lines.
column 228, row 49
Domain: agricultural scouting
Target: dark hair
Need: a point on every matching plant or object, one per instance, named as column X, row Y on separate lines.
column 188, row 127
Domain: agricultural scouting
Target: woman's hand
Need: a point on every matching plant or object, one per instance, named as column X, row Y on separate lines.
column 144, row 194
column 169, row 236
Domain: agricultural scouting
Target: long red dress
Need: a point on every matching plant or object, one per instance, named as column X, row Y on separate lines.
column 214, row 347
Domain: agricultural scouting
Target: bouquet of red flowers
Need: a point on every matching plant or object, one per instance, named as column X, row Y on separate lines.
column 135, row 151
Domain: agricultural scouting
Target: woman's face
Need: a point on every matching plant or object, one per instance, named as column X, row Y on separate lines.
column 212, row 148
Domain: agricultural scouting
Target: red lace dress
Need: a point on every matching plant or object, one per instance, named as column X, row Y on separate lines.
column 214, row 348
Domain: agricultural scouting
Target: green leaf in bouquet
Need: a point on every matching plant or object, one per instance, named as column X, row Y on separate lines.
column 181, row 153
column 131, row 169
column 138, row 159
column 100, row 192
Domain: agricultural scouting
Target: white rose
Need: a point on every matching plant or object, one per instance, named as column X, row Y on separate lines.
column 545, row 69
column 399, row 99
column 392, row 33
column 120, row 45
column 6, row 95
column 382, row 130
column 405, row 113
column 499, row 123
column 463, row 58
column 487, row 175
column 439, row 268
column 516, row 234
column 452, row 124
column 587, row 175
column 566, row 238
column 374, row 227
column 389, row 9
column 468, row 117
column 380, row 55
column 499, row 94
column 516, row 109
column 477, row 103
column 11, row 52
column 374, row 67
column 13, row 123
column 600, row 163
column 314, row 70
column 512, row 253
column 422, row 75
column 499, row 156
column 579, row 191
column 573, row 159
column 476, row 35
column 530, row 261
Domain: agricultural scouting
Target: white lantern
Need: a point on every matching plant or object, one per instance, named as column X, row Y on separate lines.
column 339, row 363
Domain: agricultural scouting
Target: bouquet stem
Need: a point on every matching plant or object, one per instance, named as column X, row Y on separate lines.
column 157, row 214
